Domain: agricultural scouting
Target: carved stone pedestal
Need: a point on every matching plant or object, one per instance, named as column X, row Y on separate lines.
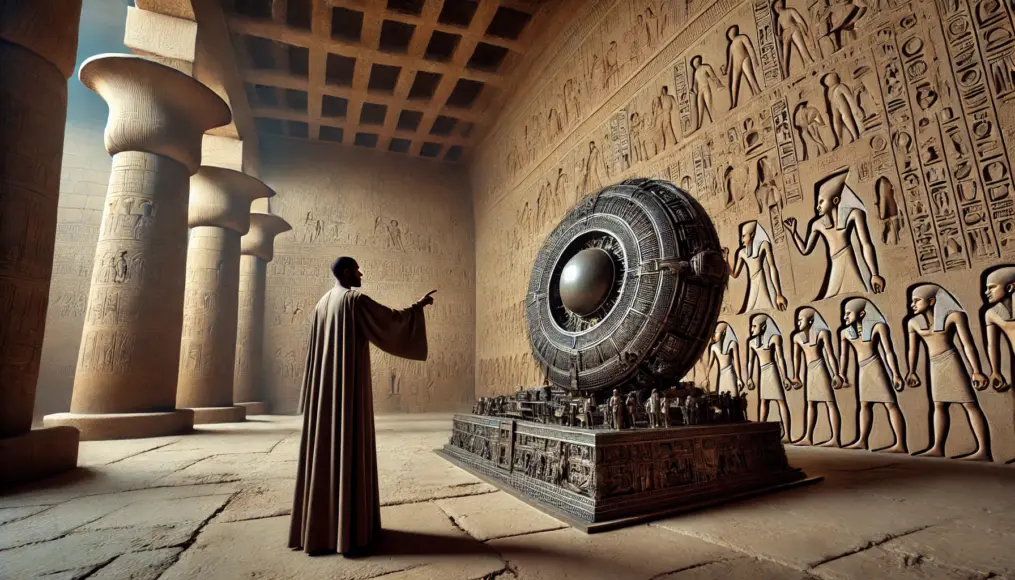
column 254, row 408
column 597, row 480
column 107, row 426
column 36, row 454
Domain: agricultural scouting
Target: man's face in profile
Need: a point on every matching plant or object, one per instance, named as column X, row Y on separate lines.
column 354, row 277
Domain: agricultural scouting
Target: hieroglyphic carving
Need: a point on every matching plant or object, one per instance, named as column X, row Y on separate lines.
column 786, row 151
column 982, row 138
column 929, row 256
column 770, row 59
column 620, row 142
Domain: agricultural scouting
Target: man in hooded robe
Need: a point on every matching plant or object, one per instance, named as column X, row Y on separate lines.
column 336, row 505
column 938, row 319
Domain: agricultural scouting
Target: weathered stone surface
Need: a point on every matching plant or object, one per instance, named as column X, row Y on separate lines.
column 909, row 518
column 171, row 512
column 92, row 453
column 641, row 552
column 738, row 568
column 880, row 563
column 261, row 499
column 496, row 515
column 417, row 536
column 147, row 565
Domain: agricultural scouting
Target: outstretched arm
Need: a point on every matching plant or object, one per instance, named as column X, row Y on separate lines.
column 400, row 333
column 804, row 246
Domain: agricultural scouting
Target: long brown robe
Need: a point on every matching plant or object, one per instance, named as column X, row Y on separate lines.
column 336, row 505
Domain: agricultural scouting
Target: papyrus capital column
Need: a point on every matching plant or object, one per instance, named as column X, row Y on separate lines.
column 219, row 215
column 257, row 248
column 38, row 46
column 125, row 384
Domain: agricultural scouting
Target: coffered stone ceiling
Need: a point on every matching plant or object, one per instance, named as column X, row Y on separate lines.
column 413, row 77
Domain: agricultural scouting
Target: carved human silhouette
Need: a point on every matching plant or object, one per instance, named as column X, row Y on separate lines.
column 888, row 210
column 763, row 281
column 724, row 352
column 766, row 351
column 843, row 110
column 842, row 17
column 636, row 127
column 667, row 104
column 808, row 122
column 999, row 320
column 839, row 214
column 767, row 192
column 793, row 32
column 595, row 169
column 866, row 331
column 938, row 320
column 703, row 80
column 611, row 64
column 741, row 63
column 813, row 364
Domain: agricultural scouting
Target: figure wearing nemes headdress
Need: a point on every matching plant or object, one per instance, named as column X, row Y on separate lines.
column 336, row 505
column 838, row 215
column 938, row 319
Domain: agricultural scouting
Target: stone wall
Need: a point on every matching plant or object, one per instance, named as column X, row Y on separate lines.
column 899, row 114
column 408, row 223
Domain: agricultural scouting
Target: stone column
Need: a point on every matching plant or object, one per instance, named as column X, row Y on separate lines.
column 258, row 250
column 125, row 384
column 219, row 215
column 38, row 46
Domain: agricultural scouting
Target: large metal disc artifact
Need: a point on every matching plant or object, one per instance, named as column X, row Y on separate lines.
column 627, row 289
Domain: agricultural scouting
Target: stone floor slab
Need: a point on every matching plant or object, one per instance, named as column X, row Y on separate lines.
column 635, row 553
column 232, row 467
column 147, row 565
column 95, row 453
column 19, row 513
column 984, row 544
column 739, row 569
column 497, row 515
column 86, row 549
column 879, row 563
column 172, row 512
column 264, row 499
column 417, row 536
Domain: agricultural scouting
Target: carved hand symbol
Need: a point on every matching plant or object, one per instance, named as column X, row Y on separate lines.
column 980, row 381
column 912, row 381
column 898, row 383
column 837, row 382
column 877, row 284
column 750, row 384
column 780, row 302
column 998, row 383
column 790, row 223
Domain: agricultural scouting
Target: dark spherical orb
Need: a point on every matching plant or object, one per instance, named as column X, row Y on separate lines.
column 586, row 281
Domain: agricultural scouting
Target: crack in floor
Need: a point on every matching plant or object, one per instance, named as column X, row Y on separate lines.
column 156, row 448
column 97, row 568
column 186, row 544
column 691, row 567
column 871, row 544
column 429, row 499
